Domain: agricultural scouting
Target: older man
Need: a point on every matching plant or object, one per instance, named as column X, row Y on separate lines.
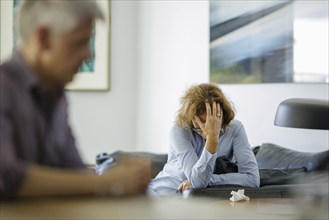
column 38, row 152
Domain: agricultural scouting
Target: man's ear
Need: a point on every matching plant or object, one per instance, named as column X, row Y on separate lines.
column 43, row 38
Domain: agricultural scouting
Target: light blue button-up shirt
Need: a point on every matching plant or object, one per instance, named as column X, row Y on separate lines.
column 189, row 160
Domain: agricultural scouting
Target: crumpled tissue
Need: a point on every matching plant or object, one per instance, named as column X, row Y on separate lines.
column 239, row 196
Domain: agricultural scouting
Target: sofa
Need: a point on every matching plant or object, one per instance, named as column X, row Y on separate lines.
column 282, row 171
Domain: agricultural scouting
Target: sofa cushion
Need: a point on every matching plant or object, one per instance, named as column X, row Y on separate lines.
column 279, row 176
column 271, row 156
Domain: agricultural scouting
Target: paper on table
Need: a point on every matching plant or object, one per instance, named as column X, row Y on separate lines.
column 239, row 196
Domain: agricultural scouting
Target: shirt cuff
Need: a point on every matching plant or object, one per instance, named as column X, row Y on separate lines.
column 207, row 158
column 208, row 155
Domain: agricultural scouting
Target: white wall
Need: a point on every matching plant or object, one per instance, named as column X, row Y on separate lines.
column 6, row 37
column 256, row 107
column 105, row 122
column 173, row 54
column 158, row 49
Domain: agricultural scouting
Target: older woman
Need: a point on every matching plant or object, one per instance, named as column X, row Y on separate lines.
column 205, row 129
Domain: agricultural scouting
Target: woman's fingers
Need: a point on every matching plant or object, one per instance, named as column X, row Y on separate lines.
column 219, row 110
column 208, row 109
column 180, row 188
column 214, row 108
column 213, row 119
column 199, row 122
column 184, row 185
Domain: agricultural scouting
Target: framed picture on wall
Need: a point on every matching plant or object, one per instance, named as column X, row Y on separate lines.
column 268, row 41
column 93, row 74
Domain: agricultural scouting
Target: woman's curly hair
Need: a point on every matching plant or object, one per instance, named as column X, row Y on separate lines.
column 193, row 103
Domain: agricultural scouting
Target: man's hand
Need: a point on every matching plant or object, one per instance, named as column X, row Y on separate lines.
column 130, row 176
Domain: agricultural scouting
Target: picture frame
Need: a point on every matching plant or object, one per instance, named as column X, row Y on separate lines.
column 270, row 41
column 94, row 74
column 99, row 79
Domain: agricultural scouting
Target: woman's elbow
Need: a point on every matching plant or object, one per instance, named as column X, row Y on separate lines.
column 254, row 180
column 256, row 183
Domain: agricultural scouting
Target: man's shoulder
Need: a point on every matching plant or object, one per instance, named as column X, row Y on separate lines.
column 10, row 83
column 6, row 79
column 7, row 72
column 7, row 65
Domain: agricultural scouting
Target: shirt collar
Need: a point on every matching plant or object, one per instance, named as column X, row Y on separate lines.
column 28, row 77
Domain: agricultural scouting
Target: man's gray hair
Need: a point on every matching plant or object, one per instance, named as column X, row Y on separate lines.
column 58, row 15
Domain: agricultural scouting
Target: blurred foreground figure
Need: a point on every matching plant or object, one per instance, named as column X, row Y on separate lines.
column 38, row 152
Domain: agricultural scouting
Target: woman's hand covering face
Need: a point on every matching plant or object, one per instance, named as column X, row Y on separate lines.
column 213, row 121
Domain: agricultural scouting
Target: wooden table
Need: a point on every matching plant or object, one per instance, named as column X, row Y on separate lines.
column 147, row 208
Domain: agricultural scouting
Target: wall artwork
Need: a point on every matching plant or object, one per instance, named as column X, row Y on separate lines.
column 93, row 74
column 273, row 41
